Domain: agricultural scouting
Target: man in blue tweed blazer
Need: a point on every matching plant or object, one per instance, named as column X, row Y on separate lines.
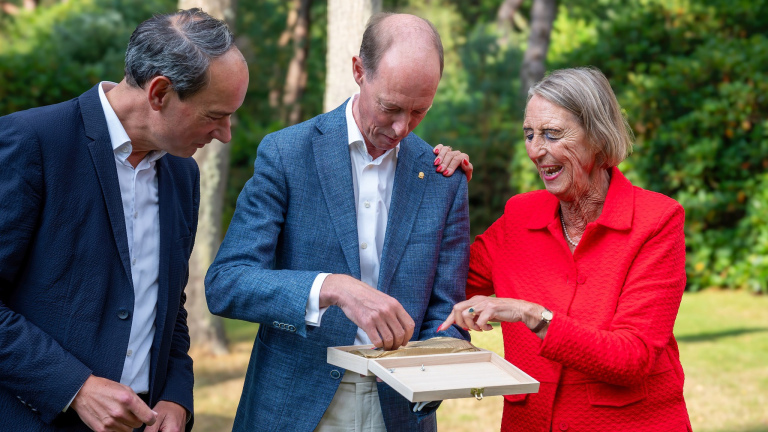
column 346, row 210
column 98, row 214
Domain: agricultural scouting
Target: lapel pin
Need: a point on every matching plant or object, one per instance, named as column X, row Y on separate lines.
column 421, row 175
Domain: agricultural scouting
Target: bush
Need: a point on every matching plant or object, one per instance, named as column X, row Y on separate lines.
column 692, row 78
column 57, row 52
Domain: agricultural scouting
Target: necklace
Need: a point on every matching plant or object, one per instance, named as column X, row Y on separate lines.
column 565, row 231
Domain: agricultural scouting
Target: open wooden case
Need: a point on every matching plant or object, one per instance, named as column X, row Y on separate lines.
column 439, row 376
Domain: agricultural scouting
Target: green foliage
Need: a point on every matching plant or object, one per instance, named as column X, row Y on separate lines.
column 476, row 108
column 55, row 53
column 259, row 27
column 692, row 78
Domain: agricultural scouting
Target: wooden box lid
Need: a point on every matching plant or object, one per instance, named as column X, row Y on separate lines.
column 444, row 376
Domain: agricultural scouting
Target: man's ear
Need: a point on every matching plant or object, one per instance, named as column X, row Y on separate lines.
column 158, row 90
column 358, row 71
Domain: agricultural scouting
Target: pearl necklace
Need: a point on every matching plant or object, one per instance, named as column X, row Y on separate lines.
column 565, row 231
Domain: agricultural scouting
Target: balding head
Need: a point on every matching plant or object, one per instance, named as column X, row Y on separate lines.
column 409, row 33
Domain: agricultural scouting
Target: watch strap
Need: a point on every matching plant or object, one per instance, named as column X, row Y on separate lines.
column 541, row 323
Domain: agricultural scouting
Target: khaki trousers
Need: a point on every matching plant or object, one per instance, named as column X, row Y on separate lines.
column 354, row 408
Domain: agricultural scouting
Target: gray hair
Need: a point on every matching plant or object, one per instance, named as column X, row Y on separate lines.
column 179, row 46
column 377, row 40
column 587, row 94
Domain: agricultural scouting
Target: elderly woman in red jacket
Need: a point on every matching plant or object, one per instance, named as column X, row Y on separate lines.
column 588, row 274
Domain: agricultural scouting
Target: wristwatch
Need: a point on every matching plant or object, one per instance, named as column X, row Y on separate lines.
column 546, row 317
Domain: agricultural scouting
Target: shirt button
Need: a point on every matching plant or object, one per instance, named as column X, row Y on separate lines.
column 134, row 261
column 125, row 150
column 367, row 204
column 129, row 353
column 135, row 215
column 364, row 245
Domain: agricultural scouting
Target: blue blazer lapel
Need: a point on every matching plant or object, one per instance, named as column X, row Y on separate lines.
column 104, row 162
column 168, row 202
column 407, row 192
column 334, row 169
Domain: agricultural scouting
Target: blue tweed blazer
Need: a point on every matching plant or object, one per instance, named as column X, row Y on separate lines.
column 66, row 293
column 295, row 219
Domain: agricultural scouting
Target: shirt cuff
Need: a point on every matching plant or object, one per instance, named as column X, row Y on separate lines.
column 312, row 313
column 73, row 398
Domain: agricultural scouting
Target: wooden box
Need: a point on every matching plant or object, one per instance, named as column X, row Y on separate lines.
column 439, row 376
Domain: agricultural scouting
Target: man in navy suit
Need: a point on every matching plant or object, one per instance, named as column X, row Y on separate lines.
column 98, row 213
column 346, row 210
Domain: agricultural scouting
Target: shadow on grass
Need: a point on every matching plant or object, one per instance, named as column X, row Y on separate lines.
column 209, row 377
column 212, row 423
column 704, row 337
column 754, row 428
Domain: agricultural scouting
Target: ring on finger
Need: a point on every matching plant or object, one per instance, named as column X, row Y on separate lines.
column 471, row 311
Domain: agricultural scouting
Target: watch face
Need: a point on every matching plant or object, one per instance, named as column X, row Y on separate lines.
column 547, row 314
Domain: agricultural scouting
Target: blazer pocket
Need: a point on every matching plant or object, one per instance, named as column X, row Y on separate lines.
column 184, row 242
column 602, row 394
column 516, row 398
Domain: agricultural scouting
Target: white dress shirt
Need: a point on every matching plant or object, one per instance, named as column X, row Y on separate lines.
column 372, row 180
column 138, row 189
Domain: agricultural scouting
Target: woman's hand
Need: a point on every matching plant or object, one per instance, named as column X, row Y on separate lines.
column 477, row 312
column 448, row 160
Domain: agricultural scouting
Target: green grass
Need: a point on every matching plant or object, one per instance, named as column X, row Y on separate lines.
column 723, row 338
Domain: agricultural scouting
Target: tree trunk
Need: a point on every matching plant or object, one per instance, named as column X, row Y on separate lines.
column 542, row 18
column 206, row 331
column 346, row 24
column 296, row 78
column 505, row 18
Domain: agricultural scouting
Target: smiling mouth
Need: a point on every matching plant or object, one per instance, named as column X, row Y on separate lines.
column 550, row 172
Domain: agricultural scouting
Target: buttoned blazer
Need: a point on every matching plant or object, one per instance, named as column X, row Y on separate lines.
column 66, row 292
column 609, row 360
column 295, row 219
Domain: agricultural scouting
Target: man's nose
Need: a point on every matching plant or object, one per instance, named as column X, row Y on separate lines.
column 223, row 131
column 400, row 126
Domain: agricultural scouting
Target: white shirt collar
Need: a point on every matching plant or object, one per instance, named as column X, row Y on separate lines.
column 356, row 137
column 121, row 143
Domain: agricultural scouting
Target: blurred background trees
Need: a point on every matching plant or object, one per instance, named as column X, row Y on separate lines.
column 690, row 74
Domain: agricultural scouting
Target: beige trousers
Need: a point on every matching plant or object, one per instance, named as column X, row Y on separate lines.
column 354, row 408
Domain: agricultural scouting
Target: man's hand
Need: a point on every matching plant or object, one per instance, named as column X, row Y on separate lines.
column 171, row 417
column 382, row 317
column 105, row 405
column 448, row 160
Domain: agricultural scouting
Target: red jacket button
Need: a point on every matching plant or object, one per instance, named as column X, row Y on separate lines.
column 582, row 279
column 563, row 426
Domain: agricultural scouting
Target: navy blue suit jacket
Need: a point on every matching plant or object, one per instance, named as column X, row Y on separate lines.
column 296, row 218
column 66, row 293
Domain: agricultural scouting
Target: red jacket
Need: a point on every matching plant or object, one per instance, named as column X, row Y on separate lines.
column 609, row 361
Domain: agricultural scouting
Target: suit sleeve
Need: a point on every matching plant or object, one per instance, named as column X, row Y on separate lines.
column 33, row 366
column 451, row 276
column 179, row 376
column 645, row 315
column 242, row 282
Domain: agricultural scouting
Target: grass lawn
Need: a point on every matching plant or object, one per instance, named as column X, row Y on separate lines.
column 723, row 337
